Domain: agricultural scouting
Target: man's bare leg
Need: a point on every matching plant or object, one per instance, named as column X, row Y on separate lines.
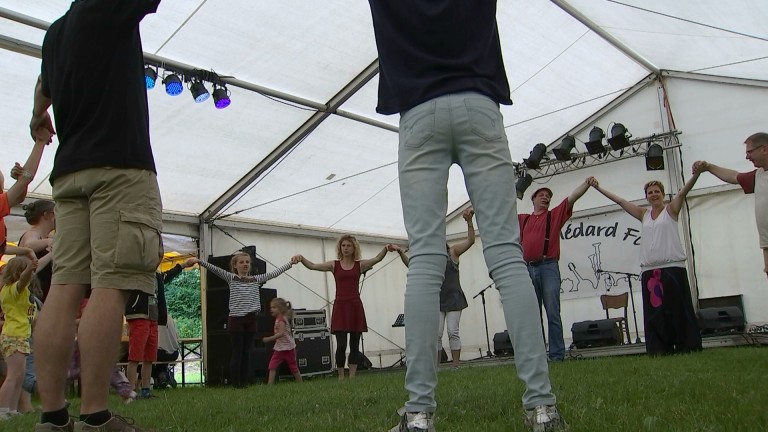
column 54, row 335
column 99, row 340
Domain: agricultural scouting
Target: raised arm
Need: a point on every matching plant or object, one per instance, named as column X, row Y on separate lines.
column 326, row 266
column 26, row 276
column 400, row 251
column 40, row 116
column 26, row 174
column 460, row 248
column 635, row 211
column 21, row 251
column 33, row 240
column 725, row 174
column 220, row 272
column 677, row 202
column 368, row 264
column 578, row 193
column 261, row 278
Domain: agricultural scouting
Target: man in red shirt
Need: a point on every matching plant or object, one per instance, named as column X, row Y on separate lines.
column 540, row 238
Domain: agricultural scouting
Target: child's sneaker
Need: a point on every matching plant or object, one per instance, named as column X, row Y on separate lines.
column 5, row 413
column 545, row 418
column 414, row 422
column 146, row 394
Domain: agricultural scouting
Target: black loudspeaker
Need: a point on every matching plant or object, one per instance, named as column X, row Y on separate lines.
column 219, row 349
column 590, row 334
column 720, row 320
column 502, row 345
column 443, row 355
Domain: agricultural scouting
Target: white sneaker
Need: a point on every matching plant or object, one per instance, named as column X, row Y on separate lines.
column 414, row 422
column 544, row 418
column 6, row 413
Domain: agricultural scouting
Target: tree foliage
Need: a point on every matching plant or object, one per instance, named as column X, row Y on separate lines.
column 183, row 297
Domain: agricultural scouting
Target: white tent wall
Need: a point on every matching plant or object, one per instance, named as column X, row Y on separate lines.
column 727, row 261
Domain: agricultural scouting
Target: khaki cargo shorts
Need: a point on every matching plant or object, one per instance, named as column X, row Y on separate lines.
column 108, row 224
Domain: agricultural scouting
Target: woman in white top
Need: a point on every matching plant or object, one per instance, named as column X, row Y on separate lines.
column 670, row 321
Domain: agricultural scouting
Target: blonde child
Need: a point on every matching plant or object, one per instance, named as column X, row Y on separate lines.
column 244, row 304
column 18, row 309
column 285, row 346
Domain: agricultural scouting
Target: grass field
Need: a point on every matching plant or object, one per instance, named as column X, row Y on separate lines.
column 720, row 389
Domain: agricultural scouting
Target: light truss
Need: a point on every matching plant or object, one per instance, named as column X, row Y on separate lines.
column 637, row 147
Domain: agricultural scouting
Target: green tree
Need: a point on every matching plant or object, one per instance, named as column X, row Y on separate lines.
column 183, row 297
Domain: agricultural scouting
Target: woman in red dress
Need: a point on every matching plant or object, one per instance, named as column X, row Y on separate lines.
column 348, row 315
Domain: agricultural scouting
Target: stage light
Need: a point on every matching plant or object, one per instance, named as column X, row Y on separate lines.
column 534, row 159
column 522, row 184
column 173, row 85
column 619, row 137
column 199, row 92
column 150, row 77
column 654, row 158
column 595, row 143
column 563, row 151
column 221, row 97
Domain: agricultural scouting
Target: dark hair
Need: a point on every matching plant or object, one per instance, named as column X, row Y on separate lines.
column 36, row 209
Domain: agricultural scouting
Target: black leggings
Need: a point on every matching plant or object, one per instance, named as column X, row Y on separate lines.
column 341, row 348
column 240, row 363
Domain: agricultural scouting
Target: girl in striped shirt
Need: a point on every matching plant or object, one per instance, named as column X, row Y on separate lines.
column 244, row 304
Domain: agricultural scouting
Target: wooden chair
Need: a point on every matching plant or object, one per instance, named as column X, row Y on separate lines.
column 617, row 302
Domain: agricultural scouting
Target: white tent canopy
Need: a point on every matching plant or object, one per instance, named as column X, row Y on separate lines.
column 301, row 155
column 560, row 70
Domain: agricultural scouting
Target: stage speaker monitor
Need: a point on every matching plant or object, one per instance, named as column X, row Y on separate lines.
column 721, row 320
column 502, row 345
column 591, row 334
column 218, row 353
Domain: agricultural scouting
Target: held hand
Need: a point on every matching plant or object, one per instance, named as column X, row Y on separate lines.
column 392, row 248
column 468, row 213
column 42, row 135
column 699, row 167
column 41, row 121
column 592, row 182
column 295, row 259
column 189, row 262
column 17, row 171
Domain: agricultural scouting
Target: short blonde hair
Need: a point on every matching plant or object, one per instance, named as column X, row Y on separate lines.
column 653, row 183
column 351, row 239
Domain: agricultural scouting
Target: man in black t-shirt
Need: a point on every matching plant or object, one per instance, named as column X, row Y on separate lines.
column 108, row 205
column 441, row 68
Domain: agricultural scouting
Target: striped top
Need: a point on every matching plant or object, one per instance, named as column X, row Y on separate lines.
column 285, row 342
column 244, row 292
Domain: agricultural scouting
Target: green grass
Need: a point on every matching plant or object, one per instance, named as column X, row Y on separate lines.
column 717, row 390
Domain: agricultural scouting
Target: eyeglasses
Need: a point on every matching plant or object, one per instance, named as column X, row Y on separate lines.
column 749, row 151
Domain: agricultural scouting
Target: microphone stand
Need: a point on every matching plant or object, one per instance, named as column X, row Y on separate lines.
column 631, row 297
column 485, row 317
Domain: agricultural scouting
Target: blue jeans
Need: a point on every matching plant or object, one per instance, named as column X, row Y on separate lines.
column 467, row 129
column 546, row 281
column 30, row 380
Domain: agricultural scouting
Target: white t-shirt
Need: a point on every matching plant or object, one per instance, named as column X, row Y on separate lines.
column 660, row 245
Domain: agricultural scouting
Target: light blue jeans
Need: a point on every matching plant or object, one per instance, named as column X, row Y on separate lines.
column 546, row 281
column 467, row 129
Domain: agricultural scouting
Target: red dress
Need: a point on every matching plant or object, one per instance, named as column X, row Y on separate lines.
column 348, row 314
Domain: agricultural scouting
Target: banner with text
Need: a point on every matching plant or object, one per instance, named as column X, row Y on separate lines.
column 608, row 242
